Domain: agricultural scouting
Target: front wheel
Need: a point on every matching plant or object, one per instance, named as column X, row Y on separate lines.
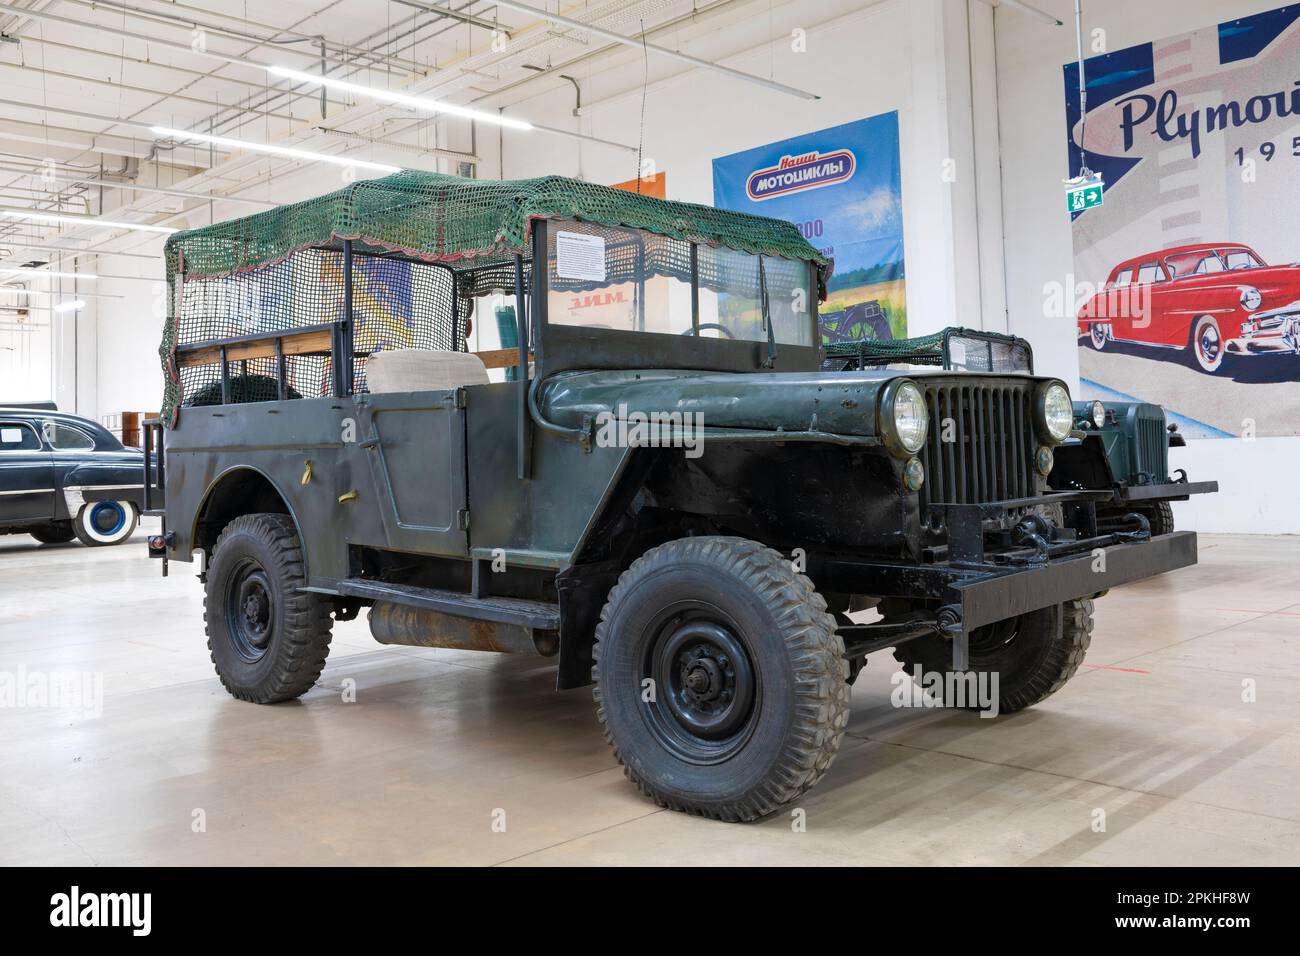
column 1098, row 335
column 101, row 523
column 1207, row 345
column 1025, row 654
column 268, row 638
column 720, row 680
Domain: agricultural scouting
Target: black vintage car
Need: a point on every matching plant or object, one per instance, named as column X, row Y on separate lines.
column 63, row 477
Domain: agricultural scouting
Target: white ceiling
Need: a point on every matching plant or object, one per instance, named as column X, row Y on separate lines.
column 82, row 80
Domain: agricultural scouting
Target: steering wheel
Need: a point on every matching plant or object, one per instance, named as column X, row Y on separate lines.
column 726, row 333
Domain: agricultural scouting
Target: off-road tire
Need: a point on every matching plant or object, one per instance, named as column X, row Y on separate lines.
column 801, row 701
column 59, row 532
column 1031, row 666
column 1160, row 516
column 299, row 622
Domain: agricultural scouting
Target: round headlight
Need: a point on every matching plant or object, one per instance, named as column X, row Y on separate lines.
column 1057, row 412
column 1250, row 298
column 908, row 416
column 1098, row 414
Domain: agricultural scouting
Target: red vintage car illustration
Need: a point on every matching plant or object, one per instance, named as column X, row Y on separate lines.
column 1211, row 300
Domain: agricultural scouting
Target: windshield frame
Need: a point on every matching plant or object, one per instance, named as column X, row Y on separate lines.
column 560, row 347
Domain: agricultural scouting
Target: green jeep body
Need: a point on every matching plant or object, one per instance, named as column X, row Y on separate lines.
column 672, row 498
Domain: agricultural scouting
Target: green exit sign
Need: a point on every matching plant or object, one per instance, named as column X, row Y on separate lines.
column 1084, row 197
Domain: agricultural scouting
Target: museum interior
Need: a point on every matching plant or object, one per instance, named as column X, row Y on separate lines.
column 649, row 432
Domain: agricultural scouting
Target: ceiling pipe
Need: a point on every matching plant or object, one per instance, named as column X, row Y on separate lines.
column 349, row 54
column 135, row 187
column 640, row 44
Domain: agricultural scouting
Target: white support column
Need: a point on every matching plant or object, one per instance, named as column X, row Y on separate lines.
column 951, row 182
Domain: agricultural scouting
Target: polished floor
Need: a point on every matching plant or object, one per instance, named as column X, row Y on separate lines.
column 1178, row 743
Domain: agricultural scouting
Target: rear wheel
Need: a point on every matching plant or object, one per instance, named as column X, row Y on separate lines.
column 267, row 637
column 55, row 533
column 1098, row 335
column 1031, row 662
column 720, row 680
column 101, row 523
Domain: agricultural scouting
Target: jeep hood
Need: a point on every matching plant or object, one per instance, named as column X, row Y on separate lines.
column 841, row 403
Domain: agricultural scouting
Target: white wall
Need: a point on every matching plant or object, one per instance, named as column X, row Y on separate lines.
column 904, row 55
column 1257, row 488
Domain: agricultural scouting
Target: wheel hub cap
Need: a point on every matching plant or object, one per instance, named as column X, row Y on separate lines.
column 706, row 686
column 251, row 611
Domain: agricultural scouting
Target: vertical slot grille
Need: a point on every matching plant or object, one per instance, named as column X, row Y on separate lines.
column 1151, row 458
column 980, row 447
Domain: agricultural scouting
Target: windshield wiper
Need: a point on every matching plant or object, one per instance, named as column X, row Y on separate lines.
column 767, row 314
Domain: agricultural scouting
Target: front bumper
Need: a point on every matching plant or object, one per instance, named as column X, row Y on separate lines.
column 1269, row 333
column 987, row 573
column 995, row 596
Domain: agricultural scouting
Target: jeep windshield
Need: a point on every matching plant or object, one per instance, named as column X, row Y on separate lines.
column 631, row 280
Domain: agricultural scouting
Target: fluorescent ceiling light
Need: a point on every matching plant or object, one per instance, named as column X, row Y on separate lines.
column 288, row 151
column 46, row 274
column 402, row 99
column 84, row 221
column 21, row 291
column 70, row 306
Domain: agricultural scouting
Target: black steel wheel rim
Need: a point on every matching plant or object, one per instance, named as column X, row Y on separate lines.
column 706, row 690
column 250, row 610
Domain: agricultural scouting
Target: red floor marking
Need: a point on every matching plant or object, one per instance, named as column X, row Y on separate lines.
column 1126, row 670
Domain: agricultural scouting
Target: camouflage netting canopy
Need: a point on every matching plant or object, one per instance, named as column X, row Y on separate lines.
column 425, row 246
column 922, row 350
column 463, row 223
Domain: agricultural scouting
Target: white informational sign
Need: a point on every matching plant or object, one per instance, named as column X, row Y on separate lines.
column 11, row 436
column 579, row 256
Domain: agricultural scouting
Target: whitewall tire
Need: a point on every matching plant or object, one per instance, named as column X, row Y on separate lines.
column 1207, row 344
column 101, row 523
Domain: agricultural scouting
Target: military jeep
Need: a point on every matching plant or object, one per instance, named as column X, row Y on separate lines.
column 668, row 497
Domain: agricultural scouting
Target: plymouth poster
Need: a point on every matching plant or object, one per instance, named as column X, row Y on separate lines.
column 842, row 188
column 1187, row 277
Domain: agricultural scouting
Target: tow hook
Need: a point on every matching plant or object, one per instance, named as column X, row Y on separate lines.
column 1035, row 530
column 1142, row 533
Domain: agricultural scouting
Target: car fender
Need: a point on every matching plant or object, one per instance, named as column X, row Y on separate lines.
column 99, row 481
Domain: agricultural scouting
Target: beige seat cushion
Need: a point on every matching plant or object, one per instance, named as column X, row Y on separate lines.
column 423, row 370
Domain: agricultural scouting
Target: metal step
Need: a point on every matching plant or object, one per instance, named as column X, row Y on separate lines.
column 541, row 615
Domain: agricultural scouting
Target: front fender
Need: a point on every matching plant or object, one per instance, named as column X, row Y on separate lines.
column 828, row 403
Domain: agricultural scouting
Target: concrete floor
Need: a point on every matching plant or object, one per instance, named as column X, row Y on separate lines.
column 1153, row 732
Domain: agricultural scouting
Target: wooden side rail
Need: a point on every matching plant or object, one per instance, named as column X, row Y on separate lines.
column 315, row 340
column 501, row 358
